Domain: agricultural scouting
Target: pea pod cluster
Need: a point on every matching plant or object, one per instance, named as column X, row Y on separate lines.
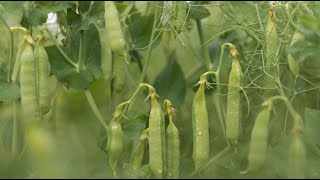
column 259, row 140
column 43, row 72
column 292, row 62
column 297, row 159
column 28, row 83
column 200, row 128
column 157, row 146
column 233, row 103
column 113, row 28
column 114, row 144
column 139, row 151
column 173, row 146
column 271, row 48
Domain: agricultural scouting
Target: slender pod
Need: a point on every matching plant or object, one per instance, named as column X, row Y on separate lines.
column 28, row 83
column 200, row 127
column 156, row 139
column 292, row 62
column 139, row 151
column 233, row 103
column 113, row 28
column 173, row 146
column 270, row 62
column 114, row 144
column 43, row 71
column 259, row 140
column 297, row 159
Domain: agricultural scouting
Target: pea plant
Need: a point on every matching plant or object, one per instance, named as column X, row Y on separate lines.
column 159, row 89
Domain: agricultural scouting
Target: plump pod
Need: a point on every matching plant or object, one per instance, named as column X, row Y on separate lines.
column 271, row 46
column 113, row 28
column 28, row 84
column 293, row 64
column 173, row 151
column 114, row 144
column 259, row 140
column 43, row 79
column 297, row 159
column 233, row 103
column 156, row 139
column 200, row 126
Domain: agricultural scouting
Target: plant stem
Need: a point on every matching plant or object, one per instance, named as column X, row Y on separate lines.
column 95, row 109
column 129, row 102
column 212, row 160
column 204, row 53
column 17, row 64
column 145, row 65
column 294, row 114
column 81, row 51
column 14, row 147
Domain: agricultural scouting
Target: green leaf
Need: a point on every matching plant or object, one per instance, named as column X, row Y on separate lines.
column 11, row 12
column 198, row 12
column 9, row 91
column 92, row 61
column 312, row 125
column 97, row 19
column 37, row 13
column 55, row 6
column 170, row 83
column 137, row 123
column 140, row 28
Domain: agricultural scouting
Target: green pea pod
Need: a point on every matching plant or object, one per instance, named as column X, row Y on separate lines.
column 297, row 159
column 271, row 48
column 292, row 62
column 173, row 150
column 233, row 103
column 43, row 72
column 200, row 127
column 113, row 28
column 139, row 152
column 259, row 140
column 119, row 73
column 157, row 154
column 28, row 83
column 114, row 144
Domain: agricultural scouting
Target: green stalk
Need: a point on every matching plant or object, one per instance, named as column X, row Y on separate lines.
column 145, row 65
column 209, row 65
column 95, row 109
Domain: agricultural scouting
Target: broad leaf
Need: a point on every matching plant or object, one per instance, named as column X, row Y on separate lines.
column 170, row 83
column 198, row 12
column 92, row 61
column 9, row 91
